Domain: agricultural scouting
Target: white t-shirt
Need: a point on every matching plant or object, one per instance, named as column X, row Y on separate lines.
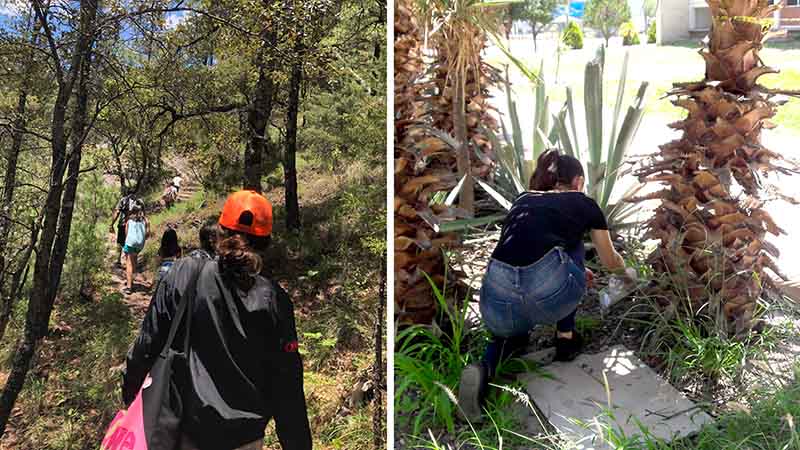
column 177, row 182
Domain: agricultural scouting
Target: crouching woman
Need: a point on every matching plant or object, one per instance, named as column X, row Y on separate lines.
column 536, row 274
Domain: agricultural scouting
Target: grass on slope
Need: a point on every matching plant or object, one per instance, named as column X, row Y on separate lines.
column 330, row 267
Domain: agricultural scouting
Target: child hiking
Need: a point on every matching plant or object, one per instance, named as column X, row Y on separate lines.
column 136, row 230
column 168, row 253
column 121, row 213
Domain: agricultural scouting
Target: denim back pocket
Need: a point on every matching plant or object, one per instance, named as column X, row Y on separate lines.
column 563, row 301
column 496, row 305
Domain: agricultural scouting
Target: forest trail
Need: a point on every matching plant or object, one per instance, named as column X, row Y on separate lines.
column 144, row 280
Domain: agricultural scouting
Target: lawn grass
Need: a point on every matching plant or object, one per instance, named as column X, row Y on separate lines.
column 660, row 66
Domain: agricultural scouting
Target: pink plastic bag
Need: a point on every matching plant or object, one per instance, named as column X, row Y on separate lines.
column 126, row 431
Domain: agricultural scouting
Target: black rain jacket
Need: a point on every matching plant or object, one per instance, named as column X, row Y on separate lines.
column 244, row 363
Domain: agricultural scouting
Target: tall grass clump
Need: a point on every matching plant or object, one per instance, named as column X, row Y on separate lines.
column 428, row 363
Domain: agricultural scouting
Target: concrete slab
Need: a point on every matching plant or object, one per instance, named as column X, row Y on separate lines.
column 577, row 393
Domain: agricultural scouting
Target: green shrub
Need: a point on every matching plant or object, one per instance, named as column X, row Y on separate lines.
column 629, row 34
column 573, row 36
column 651, row 33
column 88, row 239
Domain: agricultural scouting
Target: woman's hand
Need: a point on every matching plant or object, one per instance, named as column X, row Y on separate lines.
column 605, row 250
column 589, row 278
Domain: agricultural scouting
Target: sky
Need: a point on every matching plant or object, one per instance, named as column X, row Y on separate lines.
column 10, row 8
column 13, row 8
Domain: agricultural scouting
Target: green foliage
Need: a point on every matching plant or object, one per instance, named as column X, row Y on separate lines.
column 629, row 34
column 344, row 122
column 771, row 425
column 69, row 404
column 695, row 348
column 603, row 168
column 606, row 16
column 538, row 13
column 650, row 8
column 89, row 233
column 651, row 33
column 573, row 36
column 430, row 362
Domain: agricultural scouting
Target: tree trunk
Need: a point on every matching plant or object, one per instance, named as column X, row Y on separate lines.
column 54, row 238
column 10, row 181
column 378, row 371
column 289, row 163
column 533, row 33
column 466, row 199
column 16, row 379
column 12, row 292
column 258, row 118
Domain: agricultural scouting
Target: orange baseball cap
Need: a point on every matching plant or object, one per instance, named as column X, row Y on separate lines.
column 248, row 212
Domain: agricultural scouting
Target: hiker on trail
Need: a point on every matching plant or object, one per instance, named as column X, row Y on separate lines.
column 208, row 240
column 136, row 231
column 244, row 367
column 169, row 195
column 536, row 274
column 121, row 212
column 176, row 181
column 168, row 253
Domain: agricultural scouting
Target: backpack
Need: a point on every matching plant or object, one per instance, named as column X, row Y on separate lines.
column 164, row 268
column 127, row 203
column 136, row 231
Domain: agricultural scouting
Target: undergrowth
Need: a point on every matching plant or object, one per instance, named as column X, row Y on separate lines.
column 72, row 391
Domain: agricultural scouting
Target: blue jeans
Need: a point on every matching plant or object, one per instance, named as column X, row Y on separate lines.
column 513, row 300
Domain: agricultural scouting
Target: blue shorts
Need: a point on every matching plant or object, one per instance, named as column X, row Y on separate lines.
column 515, row 299
column 130, row 250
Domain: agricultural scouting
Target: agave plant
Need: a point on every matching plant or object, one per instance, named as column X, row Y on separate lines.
column 603, row 169
column 514, row 169
column 710, row 222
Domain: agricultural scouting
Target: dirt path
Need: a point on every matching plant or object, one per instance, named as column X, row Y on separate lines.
column 144, row 280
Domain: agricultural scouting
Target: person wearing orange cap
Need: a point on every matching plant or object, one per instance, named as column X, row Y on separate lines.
column 244, row 365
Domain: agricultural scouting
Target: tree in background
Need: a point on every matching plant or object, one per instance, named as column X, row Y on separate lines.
column 573, row 36
column 649, row 10
column 537, row 13
column 94, row 92
column 630, row 36
column 606, row 16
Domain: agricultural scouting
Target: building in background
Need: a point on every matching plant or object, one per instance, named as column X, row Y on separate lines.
column 682, row 19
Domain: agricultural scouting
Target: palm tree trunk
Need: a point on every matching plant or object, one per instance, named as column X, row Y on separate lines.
column 467, row 196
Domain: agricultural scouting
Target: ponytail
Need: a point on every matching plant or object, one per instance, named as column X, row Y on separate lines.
column 553, row 169
column 240, row 256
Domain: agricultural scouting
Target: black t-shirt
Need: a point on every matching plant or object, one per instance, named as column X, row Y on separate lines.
column 540, row 221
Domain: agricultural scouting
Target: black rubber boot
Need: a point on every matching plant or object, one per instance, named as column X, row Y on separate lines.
column 568, row 349
column 474, row 379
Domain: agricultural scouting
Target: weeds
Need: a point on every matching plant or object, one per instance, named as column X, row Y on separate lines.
column 427, row 359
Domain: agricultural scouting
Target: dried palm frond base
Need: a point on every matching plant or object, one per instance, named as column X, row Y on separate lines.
column 711, row 222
